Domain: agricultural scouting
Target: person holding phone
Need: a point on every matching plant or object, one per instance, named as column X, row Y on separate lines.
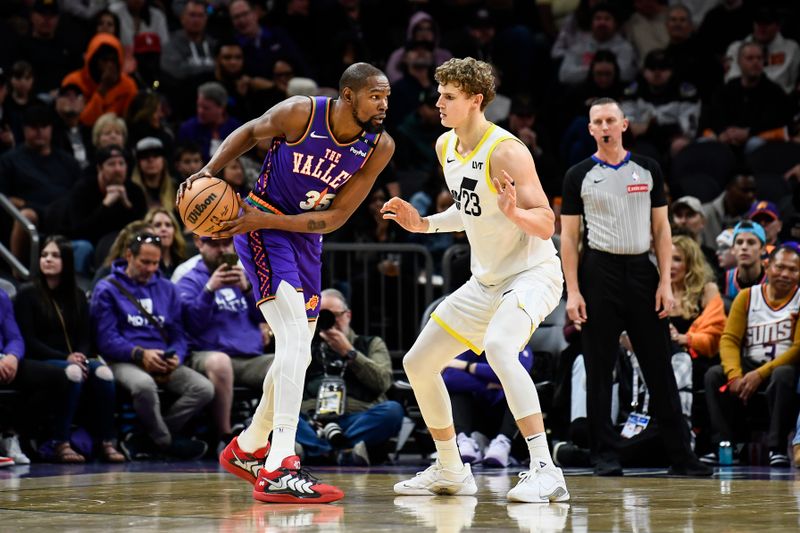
column 223, row 326
column 137, row 321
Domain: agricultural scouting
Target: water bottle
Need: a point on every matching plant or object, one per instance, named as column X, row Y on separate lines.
column 725, row 453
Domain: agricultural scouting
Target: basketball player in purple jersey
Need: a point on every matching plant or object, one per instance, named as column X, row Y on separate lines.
column 325, row 157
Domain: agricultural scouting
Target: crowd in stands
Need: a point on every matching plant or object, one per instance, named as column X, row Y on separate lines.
column 107, row 105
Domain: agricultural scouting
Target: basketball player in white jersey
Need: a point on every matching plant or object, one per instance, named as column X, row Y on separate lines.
column 516, row 281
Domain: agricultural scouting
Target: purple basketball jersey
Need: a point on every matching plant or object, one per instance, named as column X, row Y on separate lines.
column 298, row 177
column 305, row 175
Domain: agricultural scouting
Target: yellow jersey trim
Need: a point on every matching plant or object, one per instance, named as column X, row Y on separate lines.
column 489, row 161
column 444, row 147
column 308, row 127
column 474, row 151
column 456, row 335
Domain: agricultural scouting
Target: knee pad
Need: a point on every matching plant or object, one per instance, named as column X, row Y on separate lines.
column 104, row 373
column 74, row 373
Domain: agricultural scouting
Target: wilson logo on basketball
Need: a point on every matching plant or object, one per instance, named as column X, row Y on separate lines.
column 198, row 208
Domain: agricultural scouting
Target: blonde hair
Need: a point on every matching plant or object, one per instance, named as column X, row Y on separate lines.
column 469, row 75
column 124, row 239
column 166, row 189
column 178, row 248
column 106, row 120
column 698, row 274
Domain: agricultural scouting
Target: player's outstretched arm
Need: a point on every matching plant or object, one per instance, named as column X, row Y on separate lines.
column 343, row 206
column 519, row 193
column 286, row 119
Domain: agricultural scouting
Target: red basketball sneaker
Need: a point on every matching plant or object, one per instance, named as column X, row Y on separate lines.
column 241, row 463
column 289, row 483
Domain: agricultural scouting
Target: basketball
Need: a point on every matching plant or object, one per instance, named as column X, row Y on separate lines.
column 207, row 204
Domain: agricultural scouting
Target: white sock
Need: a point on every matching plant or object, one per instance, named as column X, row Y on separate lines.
column 448, row 454
column 540, row 453
column 282, row 446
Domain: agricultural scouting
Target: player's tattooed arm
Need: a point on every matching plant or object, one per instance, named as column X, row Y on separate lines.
column 315, row 226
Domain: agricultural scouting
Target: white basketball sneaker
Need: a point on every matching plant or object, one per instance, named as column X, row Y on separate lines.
column 438, row 480
column 540, row 485
column 469, row 449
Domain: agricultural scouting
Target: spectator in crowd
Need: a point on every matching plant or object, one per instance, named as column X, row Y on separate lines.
column 105, row 22
column 102, row 203
column 68, row 133
column 137, row 17
column 602, row 81
column 43, row 387
column 246, row 94
column 211, row 124
column 137, row 322
column 698, row 318
column 224, row 327
column 749, row 109
column 53, row 317
column 366, row 420
column 51, row 52
column 414, row 85
column 646, row 27
column 725, row 257
column 84, row 9
column 233, row 173
column 6, row 134
column 729, row 21
column 189, row 53
column 768, row 216
column 35, row 174
column 151, row 173
column 116, row 250
column 759, row 351
column 147, row 55
column 576, row 26
column 109, row 130
column 21, row 97
column 687, row 215
column 749, row 244
column 105, row 86
column 421, row 28
column 298, row 18
column 188, row 160
column 417, row 133
column 523, row 122
column 604, row 36
column 729, row 207
column 262, row 46
column 173, row 244
column 480, row 409
column 781, row 55
column 146, row 119
column 660, row 107
column 693, row 62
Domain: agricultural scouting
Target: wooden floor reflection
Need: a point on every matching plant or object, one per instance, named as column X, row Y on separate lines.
column 202, row 499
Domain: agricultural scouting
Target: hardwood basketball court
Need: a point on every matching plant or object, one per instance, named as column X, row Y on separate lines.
column 199, row 497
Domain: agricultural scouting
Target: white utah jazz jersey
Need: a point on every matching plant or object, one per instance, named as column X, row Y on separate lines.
column 769, row 331
column 500, row 249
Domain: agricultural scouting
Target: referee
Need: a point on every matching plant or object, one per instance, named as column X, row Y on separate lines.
column 621, row 199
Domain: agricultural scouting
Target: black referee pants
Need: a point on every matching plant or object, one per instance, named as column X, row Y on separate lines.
column 620, row 296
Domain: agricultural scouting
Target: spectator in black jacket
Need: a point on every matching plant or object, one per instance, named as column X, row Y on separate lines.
column 53, row 317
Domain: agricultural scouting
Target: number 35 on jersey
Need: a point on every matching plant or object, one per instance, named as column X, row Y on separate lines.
column 317, row 201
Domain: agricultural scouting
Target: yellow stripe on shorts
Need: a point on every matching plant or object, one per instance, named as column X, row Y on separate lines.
column 456, row 335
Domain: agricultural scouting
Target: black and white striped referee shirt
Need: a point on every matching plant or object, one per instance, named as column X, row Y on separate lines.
column 615, row 201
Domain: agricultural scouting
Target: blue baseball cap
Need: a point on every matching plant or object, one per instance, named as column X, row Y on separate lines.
column 748, row 226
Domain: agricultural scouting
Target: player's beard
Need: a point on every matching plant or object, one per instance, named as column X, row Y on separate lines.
column 368, row 126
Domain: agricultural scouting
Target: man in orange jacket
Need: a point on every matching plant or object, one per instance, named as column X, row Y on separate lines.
column 105, row 87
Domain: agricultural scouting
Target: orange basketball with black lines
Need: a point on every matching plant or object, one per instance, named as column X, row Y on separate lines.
column 207, row 204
